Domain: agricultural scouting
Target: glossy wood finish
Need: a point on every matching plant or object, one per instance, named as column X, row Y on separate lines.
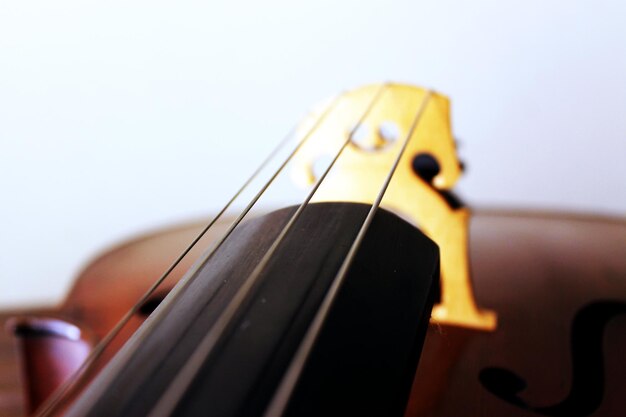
column 106, row 288
column 536, row 270
column 12, row 398
column 50, row 351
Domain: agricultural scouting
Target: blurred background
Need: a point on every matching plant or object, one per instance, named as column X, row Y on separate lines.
column 121, row 116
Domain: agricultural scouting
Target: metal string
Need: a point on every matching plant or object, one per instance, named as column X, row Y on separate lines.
column 171, row 397
column 99, row 349
column 280, row 400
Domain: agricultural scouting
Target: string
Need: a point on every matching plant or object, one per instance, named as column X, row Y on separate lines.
column 99, row 349
column 281, row 398
column 181, row 382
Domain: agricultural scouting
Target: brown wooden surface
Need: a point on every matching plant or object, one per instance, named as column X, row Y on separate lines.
column 535, row 270
column 103, row 291
column 11, row 396
column 50, row 351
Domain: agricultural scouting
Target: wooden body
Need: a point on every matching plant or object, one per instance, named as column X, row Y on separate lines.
column 557, row 283
column 541, row 274
column 50, row 349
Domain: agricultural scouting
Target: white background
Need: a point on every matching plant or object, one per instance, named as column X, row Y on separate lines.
column 120, row 116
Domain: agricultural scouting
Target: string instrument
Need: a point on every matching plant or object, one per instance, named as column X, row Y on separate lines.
column 380, row 293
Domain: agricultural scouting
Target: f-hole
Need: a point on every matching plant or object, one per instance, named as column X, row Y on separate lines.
column 587, row 389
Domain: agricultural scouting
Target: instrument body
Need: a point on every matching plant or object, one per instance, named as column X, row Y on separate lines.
column 561, row 261
column 531, row 315
column 551, row 354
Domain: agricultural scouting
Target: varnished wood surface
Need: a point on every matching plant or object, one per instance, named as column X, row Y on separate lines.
column 537, row 272
column 541, row 262
column 11, row 401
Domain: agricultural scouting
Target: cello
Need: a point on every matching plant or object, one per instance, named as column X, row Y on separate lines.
column 529, row 312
